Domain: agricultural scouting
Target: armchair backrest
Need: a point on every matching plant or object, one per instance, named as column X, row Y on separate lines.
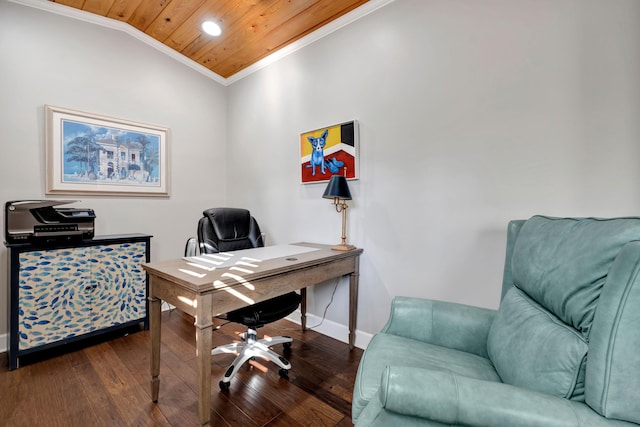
column 228, row 229
column 569, row 319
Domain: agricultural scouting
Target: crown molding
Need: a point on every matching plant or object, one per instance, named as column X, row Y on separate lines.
column 81, row 15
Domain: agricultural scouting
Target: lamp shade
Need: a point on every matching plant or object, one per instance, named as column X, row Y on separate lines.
column 337, row 187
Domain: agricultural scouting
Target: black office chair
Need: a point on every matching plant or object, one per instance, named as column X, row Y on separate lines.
column 230, row 229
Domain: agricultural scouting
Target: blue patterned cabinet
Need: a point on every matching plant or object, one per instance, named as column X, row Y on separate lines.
column 63, row 293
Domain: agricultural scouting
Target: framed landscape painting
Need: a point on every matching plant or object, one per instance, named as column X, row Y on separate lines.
column 92, row 154
column 329, row 151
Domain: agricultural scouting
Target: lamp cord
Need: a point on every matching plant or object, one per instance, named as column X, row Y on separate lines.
column 324, row 314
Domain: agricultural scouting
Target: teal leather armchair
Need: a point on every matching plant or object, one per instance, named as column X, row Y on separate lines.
column 563, row 348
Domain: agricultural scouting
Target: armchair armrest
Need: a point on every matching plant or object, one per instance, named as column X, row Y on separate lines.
column 448, row 398
column 457, row 326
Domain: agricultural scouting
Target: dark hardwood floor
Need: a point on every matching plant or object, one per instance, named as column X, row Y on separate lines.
column 107, row 383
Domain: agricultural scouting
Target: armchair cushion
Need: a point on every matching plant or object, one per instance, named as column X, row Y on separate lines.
column 531, row 348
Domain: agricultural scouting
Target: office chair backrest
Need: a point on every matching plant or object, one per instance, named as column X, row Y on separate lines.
column 228, row 229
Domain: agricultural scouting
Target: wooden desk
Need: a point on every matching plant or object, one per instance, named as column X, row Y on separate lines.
column 204, row 294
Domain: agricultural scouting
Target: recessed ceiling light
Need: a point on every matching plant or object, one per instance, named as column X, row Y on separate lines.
column 211, row 28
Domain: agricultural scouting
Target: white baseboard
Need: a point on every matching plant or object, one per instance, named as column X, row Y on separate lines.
column 332, row 329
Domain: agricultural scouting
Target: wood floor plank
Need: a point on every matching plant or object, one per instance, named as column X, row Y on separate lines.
column 10, row 389
column 131, row 401
column 302, row 407
column 85, row 378
column 39, row 391
column 107, row 383
column 249, row 401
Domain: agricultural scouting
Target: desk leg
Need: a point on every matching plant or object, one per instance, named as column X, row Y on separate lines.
column 303, row 308
column 353, row 302
column 204, row 326
column 155, row 327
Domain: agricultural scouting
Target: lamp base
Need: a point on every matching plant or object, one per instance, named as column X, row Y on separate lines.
column 343, row 247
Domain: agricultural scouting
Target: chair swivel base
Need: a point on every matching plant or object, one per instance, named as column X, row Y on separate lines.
column 250, row 348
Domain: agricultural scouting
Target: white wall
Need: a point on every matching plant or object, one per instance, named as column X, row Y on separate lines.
column 50, row 59
column 471, row 113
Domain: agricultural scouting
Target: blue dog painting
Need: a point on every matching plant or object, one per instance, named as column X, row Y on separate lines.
column 329, row 151
column 317, row 155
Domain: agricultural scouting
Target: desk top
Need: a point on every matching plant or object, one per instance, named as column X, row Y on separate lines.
column 200, row 278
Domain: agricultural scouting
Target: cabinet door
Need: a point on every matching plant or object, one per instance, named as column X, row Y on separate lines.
column 54, row 296
column 119, row 283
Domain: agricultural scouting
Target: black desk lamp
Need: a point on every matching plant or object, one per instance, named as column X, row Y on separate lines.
column 338, row 190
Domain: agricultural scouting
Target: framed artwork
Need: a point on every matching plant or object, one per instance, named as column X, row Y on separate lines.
column 91, row 154
column 328, row 151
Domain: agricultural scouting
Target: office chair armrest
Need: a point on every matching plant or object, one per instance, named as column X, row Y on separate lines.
column 457, row 326
column 450, row 399
column 191, row 247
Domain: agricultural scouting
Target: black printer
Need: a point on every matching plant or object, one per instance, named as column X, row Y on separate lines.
column 28, row 221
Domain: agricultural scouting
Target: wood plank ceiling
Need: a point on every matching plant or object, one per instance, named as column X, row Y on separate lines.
column 251, row 29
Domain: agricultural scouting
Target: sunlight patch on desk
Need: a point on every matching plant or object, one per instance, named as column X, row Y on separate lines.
column 192, row 273
column 248, row 264
column 219, row 284
column 238, row 263
column 218, row 259
column 240, row 279
column 253, row 255
column 200, row 266
column 189, row 302
column 241, row 270
column 240, row 296
column 222, row 256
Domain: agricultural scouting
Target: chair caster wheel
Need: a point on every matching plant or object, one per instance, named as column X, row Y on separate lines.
column 286, row 345
column 224, row 386
column 284, row 373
